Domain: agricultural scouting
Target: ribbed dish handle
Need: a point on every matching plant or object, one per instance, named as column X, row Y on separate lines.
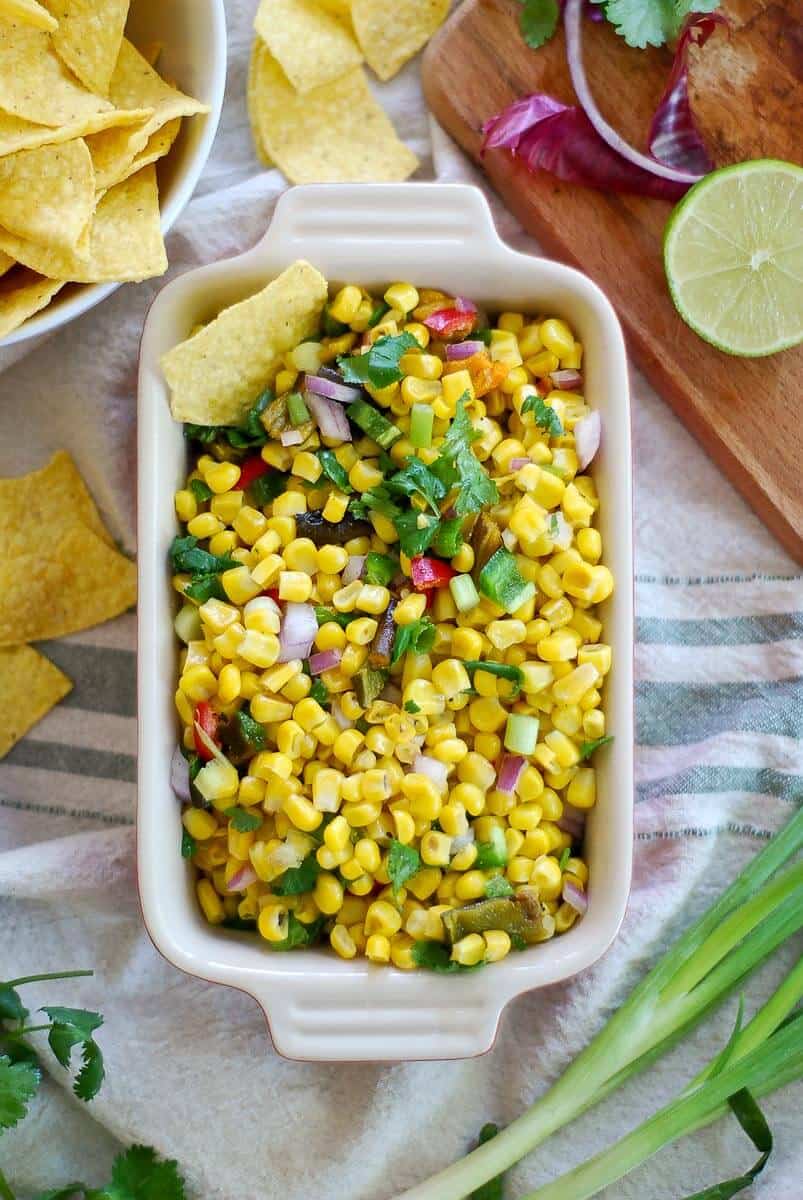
column 419, row 215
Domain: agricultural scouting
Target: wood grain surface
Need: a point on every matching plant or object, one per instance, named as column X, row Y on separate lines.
column 747, row 96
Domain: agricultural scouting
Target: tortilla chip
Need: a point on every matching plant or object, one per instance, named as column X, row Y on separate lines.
column 88, row 38
column 253, row 103
column 135, row 85
column 336, row 134
column 23, row 293
column 215, row 376
column 338, row 8
column 17, row 134
column 34, row 82
column 30, row 685
column 38, row 507
column 72, row 583
column 389, row 35
column 158, row 145
column 29, row 12
column 125, row 239
column 6, row 263
column 48, row 195
column 311, row 45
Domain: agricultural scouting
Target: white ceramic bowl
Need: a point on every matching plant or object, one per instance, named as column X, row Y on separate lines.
column 318, row 1006
column 192, row 34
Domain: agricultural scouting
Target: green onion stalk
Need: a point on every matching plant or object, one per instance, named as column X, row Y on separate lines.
column 750, row 920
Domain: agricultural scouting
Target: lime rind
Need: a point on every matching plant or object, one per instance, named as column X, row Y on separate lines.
column 733, row 255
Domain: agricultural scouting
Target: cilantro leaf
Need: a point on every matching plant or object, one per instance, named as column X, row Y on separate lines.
column 380, row 568
column 461, row 432
column 545, row 416
column 652, row 22
column 11, row 1007
column 322, row 615
column 418, row 638
column 318, row 692
column 477, row 489
column 242, row 820
column 333, row 470
column 188, row 844
column 71, row 1027
column 416, row 531
column 139, row 1174
column 410, row 706
column 416, row 479
column 205, row 587
column 403, row 863
column 457, row 464
column 588, row 748
column 449, row 537
column 296, row 880
column 19, row 1083
column 379, row 366
column 186, row 556
column 89, row 1079
column 498, row 888
column 436, row 956
column 539, row 19
column 200, row 490
column 299, row 934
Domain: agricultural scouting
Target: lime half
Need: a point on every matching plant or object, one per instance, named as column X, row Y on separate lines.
column 733, row 253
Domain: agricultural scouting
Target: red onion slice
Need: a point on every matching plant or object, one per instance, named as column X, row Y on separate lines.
column 572, row 821
column 573, row 20
column 353, row 568
column 517, row 463
column 243, row 879
column 298, row 631
column 674, row 138
column 331, row 390
column 587, row 435
column 329, row 417
column 510, row 770
column 567, row 381
column 460, row 350
column 575, row 896
column 433, row 768
column 462, row 304
column 327, row 660
column 180, row 776
column 292, row 437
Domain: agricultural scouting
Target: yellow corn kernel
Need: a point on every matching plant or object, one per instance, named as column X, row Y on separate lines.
column 572, row 688
column 405, row 826
column 307, row 466
column 331, row 559
column 589, row 543
column 565, row 750
column 557, row 337
column 582, row 791
column 229, row 684
column 226, row 508
column 346, row 745
column 543, row 363
column 294, row 586
column 297, row 688
column 199, row 824
column 309, row 714
column 557, row 613
column 249, row 684
column 435, row 849
column 210, row 902
column 568, row 718
column 450, row 677
column 186, row 505
column 559, row 647
column 602, row 584
column 301, row 812
column 222, row 477
column 467, row 643
column 205, row 525
column 546, row 876
column 262, row 614
column 506, row 633
column 363, row 476
column 377, row 948
column 260, row 649
column 465, row 858
column 382, row 918
column 470, row 885
column 198, row 683
column 250, row 524
column 487, row 714
column 425, row 883
column 401, row 952
column 345, row 304
column 453, row 820
column 345, row 600
column 300, row 554
column 421, row 366
column 362, row 813
column 576, row 508
column 251, row 791
column 469, row 951
column 239, row 585
column 594, row 724
column 266, row 571
column 185, row 709
column 497, row 945
column 450, row 750
column 342, row 942
column 352, row 659
column 402, row 296
column 362, row 631
column 330, row 637
column 551, row 803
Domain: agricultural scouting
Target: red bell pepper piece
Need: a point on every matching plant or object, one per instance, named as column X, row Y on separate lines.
column 451, row 322
column 429, row 573
column 209, row 720
column 250, row 470
column 273, row 593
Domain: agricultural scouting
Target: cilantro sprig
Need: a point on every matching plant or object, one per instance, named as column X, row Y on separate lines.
column 538, row 21
column 249, row 434
column 403, row 863
column 379, row 366
column 588, row 748
column 545, row 416
column 416, row 638
column 640, row 22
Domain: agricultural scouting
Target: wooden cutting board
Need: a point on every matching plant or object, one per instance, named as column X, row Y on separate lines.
column 747, row 96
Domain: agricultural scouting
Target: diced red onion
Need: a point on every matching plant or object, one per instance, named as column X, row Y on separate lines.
column 433, row 768
column 572, row 821
column 517, row 463
column 587, row 434
column 243, row 879
column 459, row 350
column 353, row 568
column 674, row 138
column 567, row 381
column 574, row 53
column 299, row 627
column 327, row 660
column 509, row 774
column 560, row 531
column 464, row 305
column 343, row 722
column 180, row 776
column 575, row 896
column 329, row 417
column 331, row 390
column 292, row 437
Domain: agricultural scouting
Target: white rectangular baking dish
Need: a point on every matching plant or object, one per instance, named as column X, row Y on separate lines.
column 320, row 1007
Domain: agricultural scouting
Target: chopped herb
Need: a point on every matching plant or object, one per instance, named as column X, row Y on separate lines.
column 242, row 820
column 403, row 863
column 416, row 531
column 380, row 568
column 377, row 313
column 331, row 326
column 566, row 854
column 498, row 888
column 299, row 934
column 200, row 490
column 416, row 479
column 296, row 880
column 457, row 464
column 185, row 555
column 539, row 19
column 386, row 463
column 545, row 416
column 243, row 924
column 482, row 335
column 492, row 853
column 435, row 956
column 448, row 538
column 188, row 844
column 251, row 433
column 318, row 692
column 494, row 1188
column 379, row 366
column 74, row 1027
column 19, row 1083
column 322, row 615
column 334, row 471
column 205, row 587
column 588, row 748
column 266, row 487
column 416, row 638
column 501, row 670
column 410, row 706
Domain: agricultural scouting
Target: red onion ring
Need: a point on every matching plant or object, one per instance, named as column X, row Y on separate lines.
column 332, row 391
column 460, row 350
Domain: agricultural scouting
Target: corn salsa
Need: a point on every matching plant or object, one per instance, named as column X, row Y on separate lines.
column 393, row 660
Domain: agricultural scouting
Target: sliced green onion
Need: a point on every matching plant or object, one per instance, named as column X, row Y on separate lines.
column 521, row 733
column 371, row 421
column 297, row 410
column 422, row 419
column 464, row 593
